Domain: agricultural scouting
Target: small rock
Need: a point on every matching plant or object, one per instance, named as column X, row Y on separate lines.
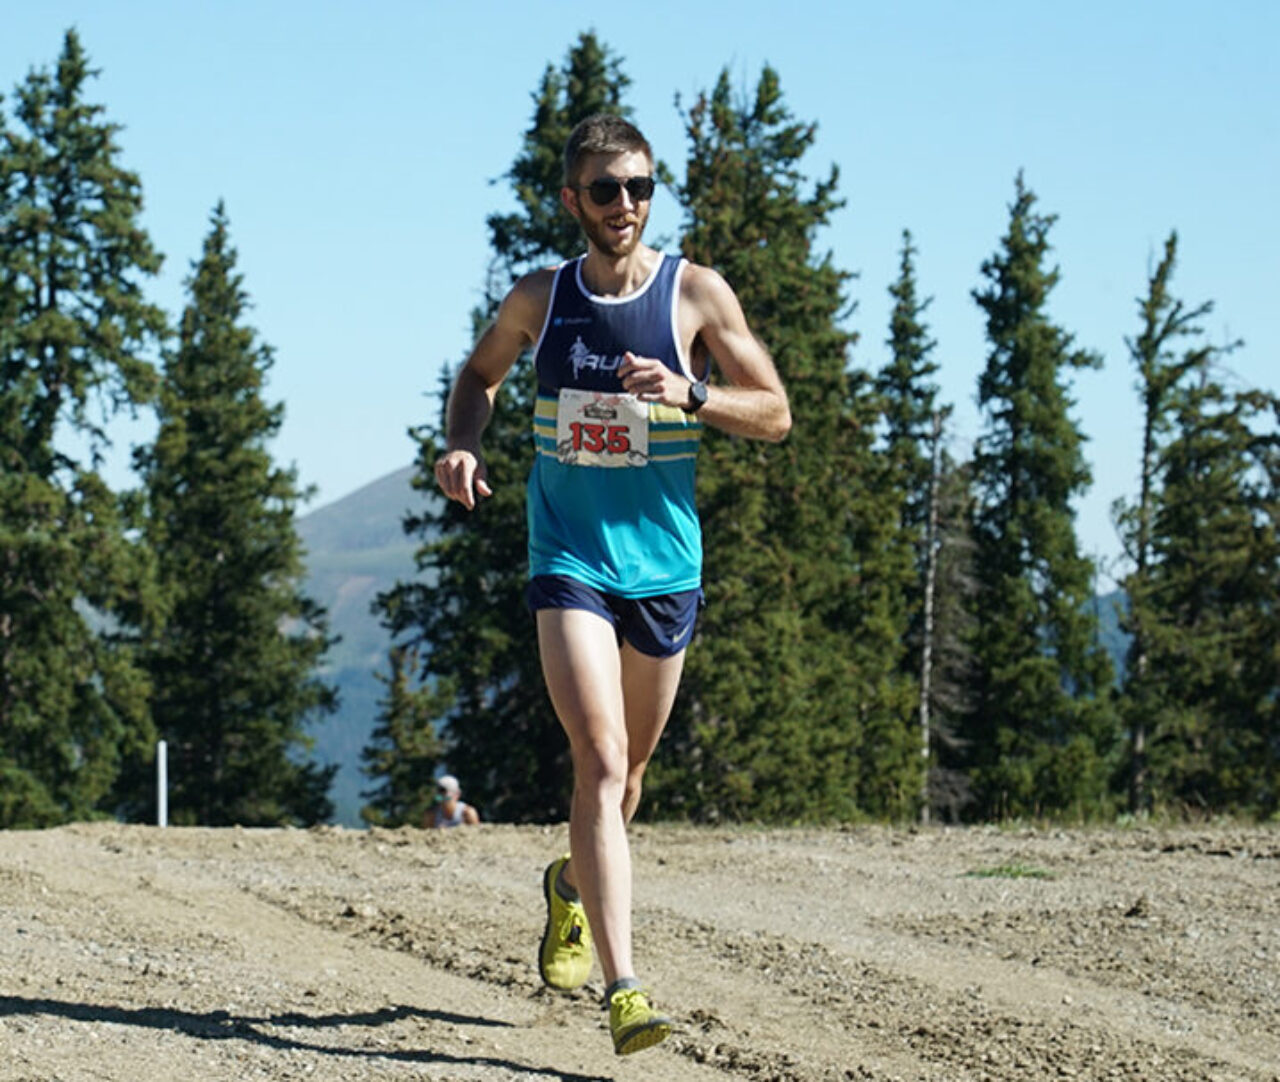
column 1140, row 908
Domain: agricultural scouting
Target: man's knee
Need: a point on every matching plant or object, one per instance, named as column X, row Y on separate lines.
column 601, row 767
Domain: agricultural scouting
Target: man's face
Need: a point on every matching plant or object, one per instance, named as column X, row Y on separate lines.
column 615, row 229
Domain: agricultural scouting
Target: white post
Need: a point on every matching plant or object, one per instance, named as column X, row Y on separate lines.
column 162, row 784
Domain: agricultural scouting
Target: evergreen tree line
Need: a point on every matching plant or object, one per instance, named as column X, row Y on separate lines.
column 174, row 611
column 891, row 632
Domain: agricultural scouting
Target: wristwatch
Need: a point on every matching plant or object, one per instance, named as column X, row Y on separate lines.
column 697, row 397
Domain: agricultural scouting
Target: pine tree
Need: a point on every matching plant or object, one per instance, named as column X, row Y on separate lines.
column 1042, row 731
column 910, row 396
column 75, row 334
column 235, row 667
column 1210, row 603
column 1165, row 321
column 912, row 459
column 404, row 751
column 466, row 611
column 791, row 703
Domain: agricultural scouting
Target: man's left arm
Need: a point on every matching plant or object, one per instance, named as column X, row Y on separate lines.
column 753, row 402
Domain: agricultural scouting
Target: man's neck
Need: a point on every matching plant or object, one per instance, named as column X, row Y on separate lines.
column 616, row 276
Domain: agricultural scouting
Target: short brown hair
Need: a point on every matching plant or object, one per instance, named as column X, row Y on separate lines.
column 602, row 133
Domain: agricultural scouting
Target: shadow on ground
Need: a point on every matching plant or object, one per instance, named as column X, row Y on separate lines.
column 225, row 1026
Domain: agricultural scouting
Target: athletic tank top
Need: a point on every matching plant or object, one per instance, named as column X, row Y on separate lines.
column 454, row 820
column 611, row 493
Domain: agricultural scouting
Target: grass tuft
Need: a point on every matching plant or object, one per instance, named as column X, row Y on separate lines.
column 1010, row 871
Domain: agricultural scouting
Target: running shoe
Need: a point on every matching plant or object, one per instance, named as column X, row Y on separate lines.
column 635, row 1025
column 564, row 960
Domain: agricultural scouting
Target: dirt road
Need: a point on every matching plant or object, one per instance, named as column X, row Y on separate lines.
column 133, row 954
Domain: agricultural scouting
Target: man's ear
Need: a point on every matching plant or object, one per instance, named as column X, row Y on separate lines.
column 569, row 200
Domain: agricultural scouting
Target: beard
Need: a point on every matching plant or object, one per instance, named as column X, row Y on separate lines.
column 607, row 240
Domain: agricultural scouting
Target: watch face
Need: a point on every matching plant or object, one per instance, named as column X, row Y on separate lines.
column 697, row 397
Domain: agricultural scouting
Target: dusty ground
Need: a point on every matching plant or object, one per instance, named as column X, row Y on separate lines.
column 133, row 954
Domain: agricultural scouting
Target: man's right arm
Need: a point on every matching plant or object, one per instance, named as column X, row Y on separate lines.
column 460, row 471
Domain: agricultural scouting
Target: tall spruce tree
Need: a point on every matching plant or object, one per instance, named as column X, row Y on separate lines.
column 1209, row 604
column 1166, row 321
column 75, row 336
column 910, row 396
column 791, row 706
column 1042, row 733
column 234, row 670
column 912, row 458
column 466, row 611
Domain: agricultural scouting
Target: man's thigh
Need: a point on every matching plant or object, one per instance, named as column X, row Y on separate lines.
column 583, row 671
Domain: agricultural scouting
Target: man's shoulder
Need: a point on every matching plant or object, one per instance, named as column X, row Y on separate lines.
column 704, row 287
column 699, row 278
column 534, row 286
column 525, row 304
column 538, row 279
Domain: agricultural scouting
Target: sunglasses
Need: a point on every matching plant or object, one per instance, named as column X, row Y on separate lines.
column 605, row 190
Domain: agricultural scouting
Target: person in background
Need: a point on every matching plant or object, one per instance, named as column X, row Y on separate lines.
column 450, row 809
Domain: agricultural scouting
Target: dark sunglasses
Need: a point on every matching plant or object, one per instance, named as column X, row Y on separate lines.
column 605, row 190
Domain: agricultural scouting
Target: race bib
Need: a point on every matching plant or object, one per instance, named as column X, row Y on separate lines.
column 595, row 428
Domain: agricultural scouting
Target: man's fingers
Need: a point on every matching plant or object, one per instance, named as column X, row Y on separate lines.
column 632, row 364
column 460, row 478
column 642, row 375
column 650, row 380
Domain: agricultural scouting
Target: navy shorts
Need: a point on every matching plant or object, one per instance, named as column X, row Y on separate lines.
column 659, row 626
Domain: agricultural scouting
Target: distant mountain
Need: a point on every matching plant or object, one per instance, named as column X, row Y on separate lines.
column 356, row 548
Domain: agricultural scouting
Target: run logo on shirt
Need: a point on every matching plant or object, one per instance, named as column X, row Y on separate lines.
column 581, row 357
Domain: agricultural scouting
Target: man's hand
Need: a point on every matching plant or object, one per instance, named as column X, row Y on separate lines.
column 461, row 476
column 652, row 381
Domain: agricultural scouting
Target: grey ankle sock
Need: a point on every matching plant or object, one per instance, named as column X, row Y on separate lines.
column 619, row 985
column 563, row 889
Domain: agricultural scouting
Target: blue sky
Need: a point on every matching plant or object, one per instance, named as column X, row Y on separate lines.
column 355, row 145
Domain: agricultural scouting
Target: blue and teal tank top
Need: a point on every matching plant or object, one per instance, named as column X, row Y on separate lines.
column 611, row 494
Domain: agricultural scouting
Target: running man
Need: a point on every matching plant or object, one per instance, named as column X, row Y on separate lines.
column 623, row 340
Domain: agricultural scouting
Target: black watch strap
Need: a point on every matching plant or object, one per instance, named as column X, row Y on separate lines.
column 697, row 397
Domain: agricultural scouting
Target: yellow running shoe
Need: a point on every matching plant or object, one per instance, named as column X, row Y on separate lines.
column 564, row 960
column 635, row 1025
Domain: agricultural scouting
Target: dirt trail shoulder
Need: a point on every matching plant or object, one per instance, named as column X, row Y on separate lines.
column 133, row 953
